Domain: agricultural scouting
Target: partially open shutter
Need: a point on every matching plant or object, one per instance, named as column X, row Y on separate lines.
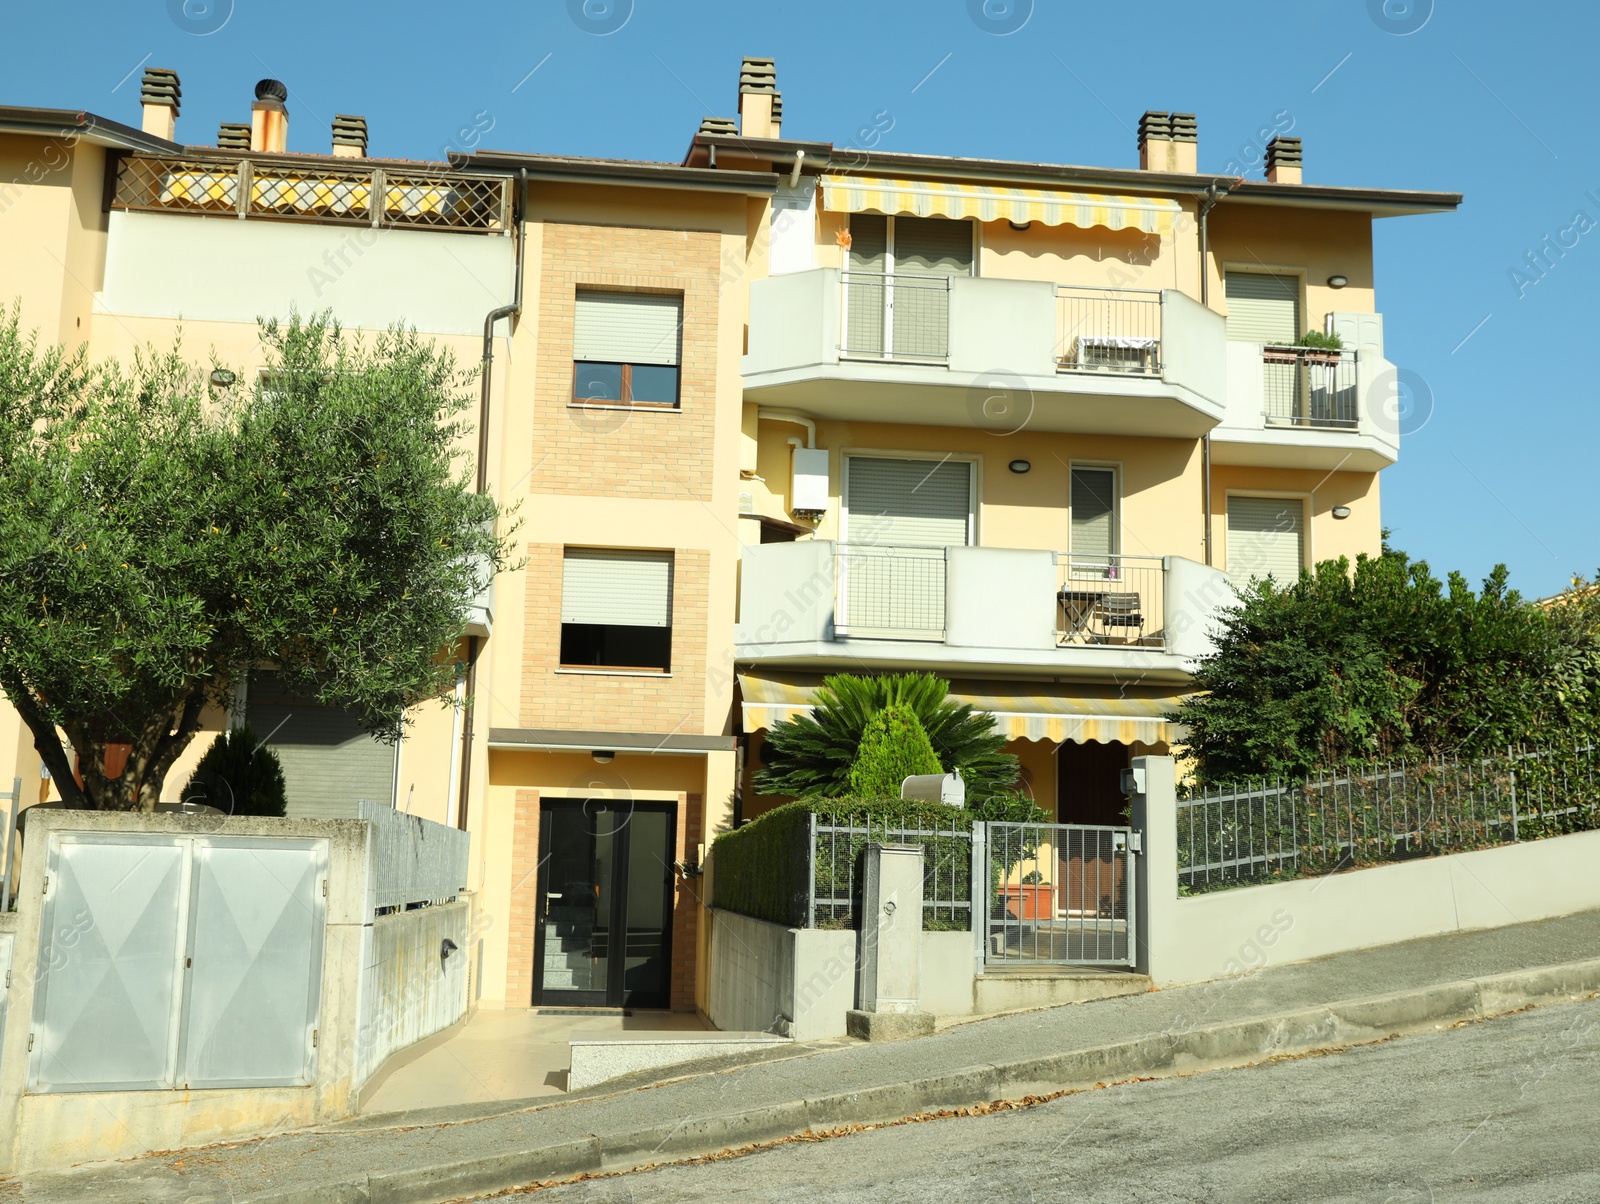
column 909, row 503
column 1266, row 538
column 1094, row 514
column 1263, row 308
column 932, row 246
column 329, row 761
column 613, row 587
column 627, row 328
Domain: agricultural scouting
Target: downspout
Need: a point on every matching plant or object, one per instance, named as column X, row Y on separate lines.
column 797, row 419
column 494, row 315
column 1215, row 193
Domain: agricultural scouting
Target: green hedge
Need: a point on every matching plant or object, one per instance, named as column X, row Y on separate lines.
column 760, row 869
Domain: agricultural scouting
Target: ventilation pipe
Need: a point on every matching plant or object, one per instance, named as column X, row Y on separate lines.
column 269, row 118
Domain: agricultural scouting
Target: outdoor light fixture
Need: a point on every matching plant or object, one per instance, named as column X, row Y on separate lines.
column 603, row 756
column 221, row 377
column 1341, row 512
column 1020, row 466
column 1020, row 225
column 1338, row 281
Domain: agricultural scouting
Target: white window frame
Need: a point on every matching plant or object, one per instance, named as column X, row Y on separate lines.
column 1307, row 511
column 1256, row 268
column 974, row 482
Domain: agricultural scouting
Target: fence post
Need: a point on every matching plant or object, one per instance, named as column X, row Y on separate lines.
column 7, row 853
column 811, row 874
column 1155, row 816
column 978, row 889
column 1511, row 767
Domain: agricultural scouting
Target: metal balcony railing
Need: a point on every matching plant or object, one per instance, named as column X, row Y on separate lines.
column 894, row 317
column 1117, row 601
column 1309, row 387
column 318, row 191
column 894, row 593
column 1108, row 330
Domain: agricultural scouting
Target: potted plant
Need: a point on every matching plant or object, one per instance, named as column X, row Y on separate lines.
column 1321, row 348
column 1030, row 898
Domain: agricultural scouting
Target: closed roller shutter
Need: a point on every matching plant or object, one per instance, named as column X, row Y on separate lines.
column 627, row 328
column 902, row 515
column 1094, row 514
column 329, row 761
column 1266, row 538
column 611, row 587
column 1263, row 308
column 932, row 246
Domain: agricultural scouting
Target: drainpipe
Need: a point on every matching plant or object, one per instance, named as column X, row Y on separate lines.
column 1205, row 490
column 797, row 419
column 473, row 643
column 1218, row 190
column 794, row 174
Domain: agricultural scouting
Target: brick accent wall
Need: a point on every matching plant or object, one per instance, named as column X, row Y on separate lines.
column 673, row 702
column 525, row 902
column 639, row 453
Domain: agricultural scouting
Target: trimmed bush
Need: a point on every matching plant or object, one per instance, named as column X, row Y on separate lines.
column 894, row 746
column 238, row 776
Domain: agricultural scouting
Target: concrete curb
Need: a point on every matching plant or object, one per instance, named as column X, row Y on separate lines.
column 1175, row 1052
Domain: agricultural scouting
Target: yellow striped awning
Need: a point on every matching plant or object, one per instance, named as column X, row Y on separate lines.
column 1081, row 714
column 924, row 198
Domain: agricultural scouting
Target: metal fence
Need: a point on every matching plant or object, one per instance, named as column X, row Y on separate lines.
column 1310, row 388
column 895, row 317
column 1108, row 329
column 318, row 192
column 837, row 869
column 1118, row 600
column 1057, row 893
column 891, row 592
column 1273, row 830
column 416, row 861
column 10, row 806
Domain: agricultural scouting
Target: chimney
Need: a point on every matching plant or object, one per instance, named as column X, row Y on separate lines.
column 719, row 127
column 233, row 135
column 159, row 96
column 269, row 119
column 1168, row 142
column 758, row 88
column 1283, row 161
column 777, row 114
column 349, row 136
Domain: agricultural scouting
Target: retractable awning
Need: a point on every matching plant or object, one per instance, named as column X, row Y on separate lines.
column 1081, row 714
column 922, row 198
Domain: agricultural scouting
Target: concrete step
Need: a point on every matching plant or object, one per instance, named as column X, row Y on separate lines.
column 1012, row 988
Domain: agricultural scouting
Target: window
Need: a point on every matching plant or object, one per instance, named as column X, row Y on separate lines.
column 625, row 349
column 897, row 303
column 1263, row 308
column 1266, row 538
column 329, row 761
column 1094, row 517
column 616, row 609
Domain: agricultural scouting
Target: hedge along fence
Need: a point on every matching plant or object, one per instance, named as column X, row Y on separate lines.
column 782, row 869
column 1269, row 831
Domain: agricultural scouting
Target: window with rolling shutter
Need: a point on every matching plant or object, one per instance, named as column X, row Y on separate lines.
column 1263, row 307
column 1094, row 516
column 330, row 762
column 897, row 294
column 616, row 609
column 900, row 516
column 626, row 348
column 1266, row 538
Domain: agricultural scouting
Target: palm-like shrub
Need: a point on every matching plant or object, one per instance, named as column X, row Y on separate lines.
column 812, row 755
column 238, row 776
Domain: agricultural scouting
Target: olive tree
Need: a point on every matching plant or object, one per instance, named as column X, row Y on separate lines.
column 165, row 527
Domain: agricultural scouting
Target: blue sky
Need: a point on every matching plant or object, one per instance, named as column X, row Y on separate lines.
column 1440, row 94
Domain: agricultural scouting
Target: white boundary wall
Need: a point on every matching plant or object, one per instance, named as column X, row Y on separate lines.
column 1229, row 932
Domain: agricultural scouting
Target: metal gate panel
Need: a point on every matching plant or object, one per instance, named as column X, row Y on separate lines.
column 7, row 942
column 1060, row 894
column 255, row 952
column 109, row 973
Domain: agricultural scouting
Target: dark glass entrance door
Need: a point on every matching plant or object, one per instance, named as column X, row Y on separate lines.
column 605, row 904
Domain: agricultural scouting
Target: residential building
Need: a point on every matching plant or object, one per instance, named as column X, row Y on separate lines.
column 778, row 410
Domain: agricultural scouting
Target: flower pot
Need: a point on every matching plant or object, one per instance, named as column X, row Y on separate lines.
column 1028, row 902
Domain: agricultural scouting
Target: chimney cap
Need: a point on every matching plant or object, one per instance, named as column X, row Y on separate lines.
column 1284, row 152
column 349, row 129
column 720, row 127
column 758, row 75
column 233, row 135
column 160, row 87
column 272, row 89
column 1185, row 128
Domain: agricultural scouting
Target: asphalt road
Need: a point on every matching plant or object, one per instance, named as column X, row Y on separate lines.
column 1507, row 1110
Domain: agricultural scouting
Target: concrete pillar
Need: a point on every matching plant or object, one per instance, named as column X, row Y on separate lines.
column 890, row 992
column 1154, row 816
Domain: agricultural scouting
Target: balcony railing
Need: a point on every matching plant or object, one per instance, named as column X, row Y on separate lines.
column 1108, row 330
column 890, row 593
column 321, row 191
column 1115, row 600
column 895, row 317
column 1310, row 387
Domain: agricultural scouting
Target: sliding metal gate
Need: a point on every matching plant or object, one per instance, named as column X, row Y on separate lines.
column 1060, row 894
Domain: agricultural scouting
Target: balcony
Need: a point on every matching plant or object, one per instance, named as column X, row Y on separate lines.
column 817, row 603
column 1304, row 407
column 990, row 353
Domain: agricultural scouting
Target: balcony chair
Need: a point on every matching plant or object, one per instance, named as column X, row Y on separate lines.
column 1120, row 614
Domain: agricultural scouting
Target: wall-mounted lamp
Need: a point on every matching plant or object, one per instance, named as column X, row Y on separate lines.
column 1019, row 466
column 603, row 756
column 1020, row 225
column 1341, row 512
column 1338, row 281
column 221, row 377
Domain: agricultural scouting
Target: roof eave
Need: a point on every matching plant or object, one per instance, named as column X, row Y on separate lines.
column 79, row 124
column 553, row 169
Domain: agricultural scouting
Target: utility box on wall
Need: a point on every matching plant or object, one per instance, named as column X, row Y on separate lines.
column 810, row 490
